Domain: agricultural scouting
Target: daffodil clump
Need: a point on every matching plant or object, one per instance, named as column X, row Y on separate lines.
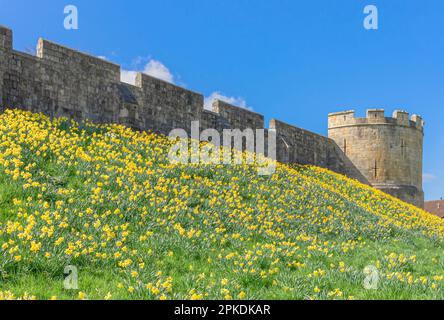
column 106, row 200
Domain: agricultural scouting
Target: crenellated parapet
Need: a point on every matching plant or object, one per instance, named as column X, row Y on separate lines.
column 86, row 66
column 239, row 118
column 375, row 116
column 60, row 81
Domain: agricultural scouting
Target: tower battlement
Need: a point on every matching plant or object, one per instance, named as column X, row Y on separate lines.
column 375, row 116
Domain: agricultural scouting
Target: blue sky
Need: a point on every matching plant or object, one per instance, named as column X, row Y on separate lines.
column 291, row 60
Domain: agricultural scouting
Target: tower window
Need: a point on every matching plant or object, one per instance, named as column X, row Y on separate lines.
column 376, row 169
column 403, row 148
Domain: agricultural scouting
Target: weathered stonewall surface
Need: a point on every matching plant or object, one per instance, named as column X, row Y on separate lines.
column 59, row 81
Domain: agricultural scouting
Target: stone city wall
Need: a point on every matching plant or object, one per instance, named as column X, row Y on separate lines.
column 59, row 81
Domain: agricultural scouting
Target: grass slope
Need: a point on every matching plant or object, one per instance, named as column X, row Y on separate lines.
column 106, row 200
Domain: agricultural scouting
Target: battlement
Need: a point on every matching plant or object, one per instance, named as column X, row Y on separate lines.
column 72, row 83
column 5, row 38
column 240, row 118
column 89, row 65
column 374, row 117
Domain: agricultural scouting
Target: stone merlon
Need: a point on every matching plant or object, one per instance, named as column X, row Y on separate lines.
column 375, row 116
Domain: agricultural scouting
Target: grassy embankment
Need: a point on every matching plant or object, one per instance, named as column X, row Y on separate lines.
column 106, row 200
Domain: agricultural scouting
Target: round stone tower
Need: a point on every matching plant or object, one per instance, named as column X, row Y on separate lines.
column 387, row 151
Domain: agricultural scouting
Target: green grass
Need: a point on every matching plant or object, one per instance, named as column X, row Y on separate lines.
column 214, row 232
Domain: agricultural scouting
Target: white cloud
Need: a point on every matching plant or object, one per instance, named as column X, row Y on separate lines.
column 103, row 58
column 158, row 70
column 128, row 76
column 153, row 68
column 428, row 177
column 237, row 101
